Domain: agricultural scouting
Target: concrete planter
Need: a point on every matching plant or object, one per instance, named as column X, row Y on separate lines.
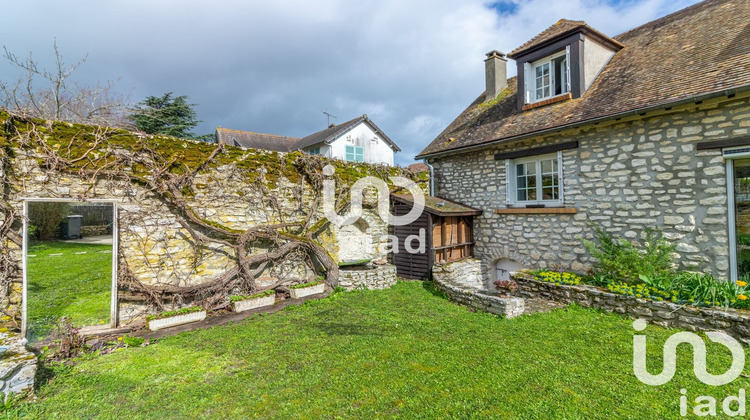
column 259, row 302
column 307, row 291
column 157, row 324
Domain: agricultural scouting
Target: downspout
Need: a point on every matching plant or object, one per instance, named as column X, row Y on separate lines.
column 432, row 176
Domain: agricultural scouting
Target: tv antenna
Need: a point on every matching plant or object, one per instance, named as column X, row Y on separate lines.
column 328, row 117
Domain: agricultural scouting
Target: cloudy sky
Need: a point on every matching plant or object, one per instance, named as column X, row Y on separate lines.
column 274, row 66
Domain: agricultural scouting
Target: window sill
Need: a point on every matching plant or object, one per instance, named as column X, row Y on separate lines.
column 552, row 100
column 537, row 210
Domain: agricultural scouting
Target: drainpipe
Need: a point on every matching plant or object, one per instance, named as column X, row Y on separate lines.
column 432, row 177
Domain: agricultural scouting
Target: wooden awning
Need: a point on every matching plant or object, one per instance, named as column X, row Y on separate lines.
column 440, row 206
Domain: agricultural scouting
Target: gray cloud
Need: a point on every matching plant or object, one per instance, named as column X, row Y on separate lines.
column 274, row 66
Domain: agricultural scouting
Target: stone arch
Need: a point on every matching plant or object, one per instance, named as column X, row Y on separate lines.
column 507, row 259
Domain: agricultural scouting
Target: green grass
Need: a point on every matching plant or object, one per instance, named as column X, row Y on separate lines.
column 74, row 285
column 404, row 352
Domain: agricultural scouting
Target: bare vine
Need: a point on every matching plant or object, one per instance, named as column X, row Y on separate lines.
column 172, row 182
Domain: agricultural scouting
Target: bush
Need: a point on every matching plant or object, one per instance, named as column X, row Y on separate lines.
column 622, row 260
column 47, row 218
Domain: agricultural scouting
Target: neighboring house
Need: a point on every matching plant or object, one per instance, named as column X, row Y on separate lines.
column 357, row 140
column 648, row 128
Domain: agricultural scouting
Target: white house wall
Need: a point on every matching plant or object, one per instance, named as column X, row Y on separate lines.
column 362, row 135
column 595, row 56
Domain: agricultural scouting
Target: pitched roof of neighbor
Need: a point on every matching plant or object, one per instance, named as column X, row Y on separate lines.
column 256, row 140
column 701, row 50
column 335, row 131
column 289, row 144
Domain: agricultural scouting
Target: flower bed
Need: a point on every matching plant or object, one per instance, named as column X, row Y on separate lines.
column 306, row 289
column 664, row 313
column 258, row 300
column 174, row 318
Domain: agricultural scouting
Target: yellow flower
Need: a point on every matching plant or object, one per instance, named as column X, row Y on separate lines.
column 742, row 297
column 741, row 283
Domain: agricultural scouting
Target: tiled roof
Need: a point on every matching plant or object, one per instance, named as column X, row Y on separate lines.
column 440, row 206
column 333, row 132
column 697, row 51
column 562, row 26
column 256, row 140
column 289, row 144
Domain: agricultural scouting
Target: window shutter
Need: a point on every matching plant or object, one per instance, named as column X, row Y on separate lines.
column 359, row 153
column 567, row 66
column 509, row 183
column 527, row 81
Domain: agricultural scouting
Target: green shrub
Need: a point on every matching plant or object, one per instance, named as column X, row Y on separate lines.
column 237, row 298
column 131, row 341
column 47, row 216
column 703, row 289
column 623, row 261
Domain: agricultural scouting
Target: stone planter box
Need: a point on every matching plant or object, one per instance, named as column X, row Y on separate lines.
column 254, row 303
column 307, row 291
column 157, row 324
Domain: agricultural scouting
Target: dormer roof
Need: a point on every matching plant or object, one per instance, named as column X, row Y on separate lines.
column 562, row 29
column 696, row 53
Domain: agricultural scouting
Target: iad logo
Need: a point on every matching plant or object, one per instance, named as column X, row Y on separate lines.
column 699, row 357
column 357, row 195
column 705, row 405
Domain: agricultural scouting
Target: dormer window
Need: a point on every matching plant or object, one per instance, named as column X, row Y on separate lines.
column 550, row 77
column 561, row 63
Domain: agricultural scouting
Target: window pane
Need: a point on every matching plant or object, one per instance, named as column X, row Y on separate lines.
column 547, row 166
column 532, row 194
column 521, row 196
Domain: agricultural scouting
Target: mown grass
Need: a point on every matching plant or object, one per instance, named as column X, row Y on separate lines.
column 404, row 352
column 71, row 284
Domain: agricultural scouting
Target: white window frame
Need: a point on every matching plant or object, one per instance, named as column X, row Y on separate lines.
column 530, row 76
column 113, row 313
column 512, row 187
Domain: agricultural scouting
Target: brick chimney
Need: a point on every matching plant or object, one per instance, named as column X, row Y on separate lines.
column 495, row 74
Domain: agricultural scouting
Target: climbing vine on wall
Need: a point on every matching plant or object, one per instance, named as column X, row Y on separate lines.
column 166, row 169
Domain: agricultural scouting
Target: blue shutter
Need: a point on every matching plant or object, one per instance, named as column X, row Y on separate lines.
column 359, row 154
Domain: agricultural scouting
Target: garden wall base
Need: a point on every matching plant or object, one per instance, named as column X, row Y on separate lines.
column 462, row 280
column 17, row 365
column 666, row 314
column 375, row 278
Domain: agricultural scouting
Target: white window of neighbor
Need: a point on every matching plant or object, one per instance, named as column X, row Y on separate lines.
column 548, row 77
column 535, row 180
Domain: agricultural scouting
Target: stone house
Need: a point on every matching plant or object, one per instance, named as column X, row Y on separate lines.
column 356, row 140
column 646, row 128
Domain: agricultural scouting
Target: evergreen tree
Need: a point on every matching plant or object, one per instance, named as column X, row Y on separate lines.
column 172, row 116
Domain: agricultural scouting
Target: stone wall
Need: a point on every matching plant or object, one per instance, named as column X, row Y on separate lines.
column 462, row 282
column 625, row 176
column 96, row 230
column 371, row 277
column 17, row 365
column 239, row 189
column 666, row 314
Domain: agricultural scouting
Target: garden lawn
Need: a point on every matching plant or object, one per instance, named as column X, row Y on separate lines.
column 404, row 352
column 73, row 284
